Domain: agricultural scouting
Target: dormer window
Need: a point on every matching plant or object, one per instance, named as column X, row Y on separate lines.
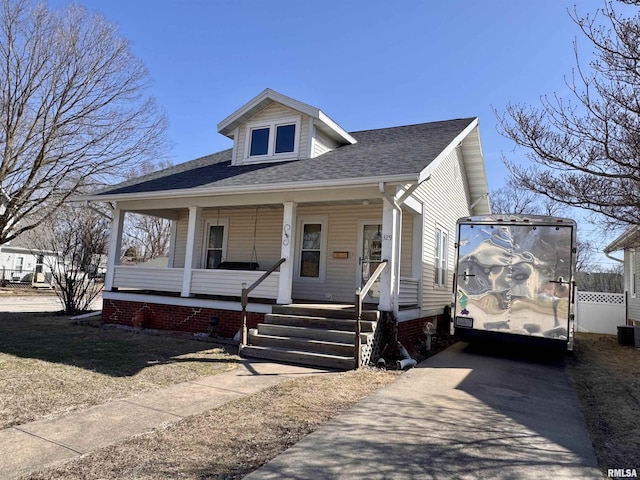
column 277, row 139
column 259, row 141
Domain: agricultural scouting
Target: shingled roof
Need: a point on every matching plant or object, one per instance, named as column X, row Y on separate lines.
column 404, row 150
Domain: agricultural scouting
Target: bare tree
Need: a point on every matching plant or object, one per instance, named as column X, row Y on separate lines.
column 79, row 235
column 510, row 199
column 585, row 150
column 513, row 198
column 147, row 235
column 585, row 251
column 73, row 110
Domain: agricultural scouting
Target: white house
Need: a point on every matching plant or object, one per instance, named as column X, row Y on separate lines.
column 629, row 243
column 21, row 263
column 330, row 205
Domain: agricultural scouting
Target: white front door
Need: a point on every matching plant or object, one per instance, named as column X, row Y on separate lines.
column 369, row 257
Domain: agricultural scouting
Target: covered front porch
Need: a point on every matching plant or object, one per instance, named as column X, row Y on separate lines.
column 326, row 251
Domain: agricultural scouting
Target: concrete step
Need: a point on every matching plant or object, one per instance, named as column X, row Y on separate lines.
column 325, row 310
column 300, row 344
column 318, row 322
column 337, row 336
column 299, row 357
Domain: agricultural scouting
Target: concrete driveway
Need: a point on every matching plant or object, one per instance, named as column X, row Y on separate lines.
column 461, row 414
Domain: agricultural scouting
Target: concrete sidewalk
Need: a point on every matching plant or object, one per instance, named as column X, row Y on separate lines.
column 32, row 446
column 460, row 414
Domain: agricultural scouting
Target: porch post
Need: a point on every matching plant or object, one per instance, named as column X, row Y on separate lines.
column 195, row 213
column 115, row 245
column 391, row 221
column 172, row 243
column 287, row 251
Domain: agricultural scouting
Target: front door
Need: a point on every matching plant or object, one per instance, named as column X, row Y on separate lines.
column 370, row 256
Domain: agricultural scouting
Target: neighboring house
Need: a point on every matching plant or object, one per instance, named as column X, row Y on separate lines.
column 22, row 263
column 332, row 204
column 629, row 243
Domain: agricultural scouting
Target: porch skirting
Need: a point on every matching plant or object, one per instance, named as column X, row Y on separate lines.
column 183, row 318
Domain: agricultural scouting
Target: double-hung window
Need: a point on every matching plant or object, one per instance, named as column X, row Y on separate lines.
column 273, row 139
column 312, row 250
column 440, row 257
column 215, row 243
column 633, row 266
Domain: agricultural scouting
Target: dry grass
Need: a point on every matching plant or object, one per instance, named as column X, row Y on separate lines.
column 50, row 367
column 230, row 441
column 607, row 380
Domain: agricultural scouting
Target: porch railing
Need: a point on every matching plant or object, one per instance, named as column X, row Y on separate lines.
column 360, row 294
column 225, row 283
column 245, row 299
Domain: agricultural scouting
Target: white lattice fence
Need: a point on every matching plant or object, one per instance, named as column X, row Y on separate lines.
column 599, row 312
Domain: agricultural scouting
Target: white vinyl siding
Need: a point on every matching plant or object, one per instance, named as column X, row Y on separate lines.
column 445, row 199
column 341, row 236
column 631, row 269
column 274, row 113
column 267, row 239
column 239, row 229
column 322, row 144
column 406, row 246
column 149, row 278
column 180, row 247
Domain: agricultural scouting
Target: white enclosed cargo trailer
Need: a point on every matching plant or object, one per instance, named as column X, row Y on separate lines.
column 514, row 279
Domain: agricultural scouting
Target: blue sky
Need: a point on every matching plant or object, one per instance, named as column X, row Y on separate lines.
column 366, row 64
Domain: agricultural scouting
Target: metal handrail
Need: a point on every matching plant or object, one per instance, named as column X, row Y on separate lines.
column 245, row 299
column 360, row 293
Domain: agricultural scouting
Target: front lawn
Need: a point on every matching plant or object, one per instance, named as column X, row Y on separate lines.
column 49, row 366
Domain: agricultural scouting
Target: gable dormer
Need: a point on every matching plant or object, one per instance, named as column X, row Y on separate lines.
column 273, row 128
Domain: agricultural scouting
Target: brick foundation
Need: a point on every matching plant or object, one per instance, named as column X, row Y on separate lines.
column 175, row 317
column 411, row 335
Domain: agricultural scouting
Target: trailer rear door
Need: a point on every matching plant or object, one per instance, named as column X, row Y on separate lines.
column 515, row 278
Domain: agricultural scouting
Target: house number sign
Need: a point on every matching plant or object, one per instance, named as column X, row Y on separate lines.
column 387, row 237
column 285, row 233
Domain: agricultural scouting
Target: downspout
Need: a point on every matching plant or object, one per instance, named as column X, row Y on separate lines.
column 396, row 202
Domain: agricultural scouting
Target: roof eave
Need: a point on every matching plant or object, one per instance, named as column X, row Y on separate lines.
column 629, row 239
column 267, row 97
column 244, row 189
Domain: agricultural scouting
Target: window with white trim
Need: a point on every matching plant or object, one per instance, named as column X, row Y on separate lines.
column 215, row 247
column 272, row 139
column 19, row 264
column 311, row 263
column 632, row 273
column 440, row 257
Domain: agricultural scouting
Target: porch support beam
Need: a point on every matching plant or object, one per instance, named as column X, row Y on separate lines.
column 391, row 234
column 115, row 246
column 287, row 251
column 190, row 258
column 172, row 242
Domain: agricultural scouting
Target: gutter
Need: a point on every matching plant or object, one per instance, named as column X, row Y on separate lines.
column 608, row 255
column 238, row 189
